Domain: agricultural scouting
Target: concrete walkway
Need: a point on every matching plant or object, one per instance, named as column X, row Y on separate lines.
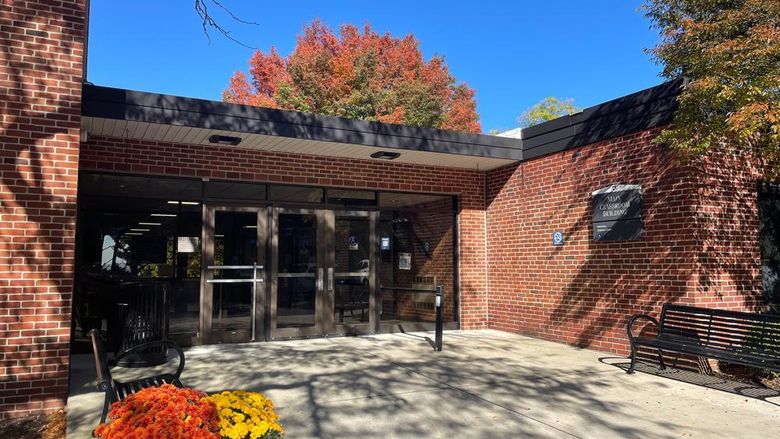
column 484, row 384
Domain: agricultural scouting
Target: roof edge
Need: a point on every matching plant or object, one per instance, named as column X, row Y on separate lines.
column 122, row 104
column 639, row 111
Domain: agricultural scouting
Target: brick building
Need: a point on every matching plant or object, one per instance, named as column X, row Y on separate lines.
column 122, row 208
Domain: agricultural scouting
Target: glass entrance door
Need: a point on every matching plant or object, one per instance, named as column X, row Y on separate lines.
column 232, row 300
column 322, row 272
column 354, row 258
column 299, row 237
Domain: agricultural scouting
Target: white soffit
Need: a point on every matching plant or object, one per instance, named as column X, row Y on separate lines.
column 199, row 136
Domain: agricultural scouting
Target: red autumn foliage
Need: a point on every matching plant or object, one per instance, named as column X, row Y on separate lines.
column 358, row 74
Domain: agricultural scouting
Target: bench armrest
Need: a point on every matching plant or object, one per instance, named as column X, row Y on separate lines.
column 153, row 344
column 633, row 319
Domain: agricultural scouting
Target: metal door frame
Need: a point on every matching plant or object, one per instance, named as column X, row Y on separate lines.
column 324, row 275
column 207, row 334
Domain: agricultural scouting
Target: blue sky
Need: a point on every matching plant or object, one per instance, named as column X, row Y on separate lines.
column 514, row 53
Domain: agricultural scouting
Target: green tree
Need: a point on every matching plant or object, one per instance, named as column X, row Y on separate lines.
column 547, row 109
column 728, row 51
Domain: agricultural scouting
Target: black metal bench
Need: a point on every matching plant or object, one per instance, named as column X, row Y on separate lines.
column 118, row 390
column 736, row 337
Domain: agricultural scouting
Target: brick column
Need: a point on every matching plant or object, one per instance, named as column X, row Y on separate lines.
column 42, row 59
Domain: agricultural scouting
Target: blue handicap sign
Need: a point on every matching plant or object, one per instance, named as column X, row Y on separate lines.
column 557, row 238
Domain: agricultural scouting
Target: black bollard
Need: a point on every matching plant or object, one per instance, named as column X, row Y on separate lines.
column 439, row 320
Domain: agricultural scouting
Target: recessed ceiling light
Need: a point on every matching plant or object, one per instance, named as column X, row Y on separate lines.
column 165, row 215
column 149, row 224
column 385, row 155
column 133, row 234
column 224, row 140
column 173, row 202
column 139, row 230
column 190, row 203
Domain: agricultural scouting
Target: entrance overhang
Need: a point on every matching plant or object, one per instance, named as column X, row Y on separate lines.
column 155, row 117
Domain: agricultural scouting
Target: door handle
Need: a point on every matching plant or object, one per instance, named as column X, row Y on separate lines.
column 319, row 279
column 330, row 278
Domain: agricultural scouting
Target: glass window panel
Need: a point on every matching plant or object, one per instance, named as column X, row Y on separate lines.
column 107, row 185
column 235, row 243
column 297, row 262
column 130, row 232
column 352, row 270
column 234, row 190
column 396, row 200
column 416, row 241
column 296, row 194
column 769, row 242
column 348, row 198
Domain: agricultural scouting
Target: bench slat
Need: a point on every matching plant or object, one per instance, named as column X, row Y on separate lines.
column 739, row 315
column 740, row 337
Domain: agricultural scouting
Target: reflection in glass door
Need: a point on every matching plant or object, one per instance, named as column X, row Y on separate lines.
column 297, row 273
column 353, row 262
column 233, row 289
column 322, row 273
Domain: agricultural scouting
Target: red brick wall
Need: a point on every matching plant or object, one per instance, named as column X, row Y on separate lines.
column 726, row 231
column 40, row 98
column 701, row 243
column 138, row 157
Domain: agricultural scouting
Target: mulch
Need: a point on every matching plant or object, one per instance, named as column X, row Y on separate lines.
column 35, row 427
column 750, row 375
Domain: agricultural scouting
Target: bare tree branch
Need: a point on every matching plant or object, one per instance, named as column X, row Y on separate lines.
column 207, row 21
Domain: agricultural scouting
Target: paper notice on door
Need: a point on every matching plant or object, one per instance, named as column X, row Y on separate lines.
column 188, row 244
column 404, row 261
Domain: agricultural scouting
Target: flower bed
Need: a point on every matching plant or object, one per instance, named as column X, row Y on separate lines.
column 165, row 411
column 246, row 415
column 171, row 412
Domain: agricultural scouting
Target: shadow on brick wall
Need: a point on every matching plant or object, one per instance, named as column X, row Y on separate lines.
column 700, row 245
column 41, row 49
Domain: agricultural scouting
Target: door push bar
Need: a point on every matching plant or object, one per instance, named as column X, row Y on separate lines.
column 321, row 279
column 253, row 280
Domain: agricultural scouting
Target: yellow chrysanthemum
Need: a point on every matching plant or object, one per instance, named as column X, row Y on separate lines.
column 246, row 415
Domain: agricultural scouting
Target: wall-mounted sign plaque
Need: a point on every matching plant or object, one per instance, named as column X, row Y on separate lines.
column 617, row 213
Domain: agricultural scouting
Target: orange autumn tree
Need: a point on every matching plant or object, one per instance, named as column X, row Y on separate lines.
column 358, row 74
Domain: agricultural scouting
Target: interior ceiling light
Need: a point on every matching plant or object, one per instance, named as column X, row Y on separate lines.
column 224, row 140
column 149, row 224
column 164, row 215
column 385, row 155
column 190, row 203
column 139, row 230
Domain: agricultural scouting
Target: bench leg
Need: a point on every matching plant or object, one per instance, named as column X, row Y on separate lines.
column 633, row 360
column 104, row 414
column 661, row 360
